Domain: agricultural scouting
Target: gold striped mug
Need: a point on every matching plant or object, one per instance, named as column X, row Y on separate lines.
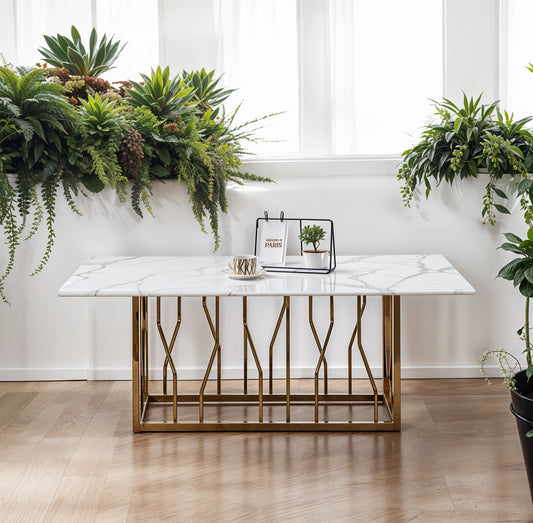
column 243, row 264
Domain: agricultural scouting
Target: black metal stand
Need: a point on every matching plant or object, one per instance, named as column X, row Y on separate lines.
column 298, row 267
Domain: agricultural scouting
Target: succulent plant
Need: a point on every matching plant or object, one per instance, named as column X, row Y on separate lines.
column 100, row 115
column 206, row 94
column 166, row 98
column 70, row 54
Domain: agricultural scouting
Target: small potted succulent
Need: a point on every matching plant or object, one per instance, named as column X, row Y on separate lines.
column 314, row 258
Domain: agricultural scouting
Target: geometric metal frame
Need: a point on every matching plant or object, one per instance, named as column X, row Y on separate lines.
column 144, row 401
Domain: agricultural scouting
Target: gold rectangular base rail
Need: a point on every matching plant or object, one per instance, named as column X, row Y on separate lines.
column 188, row 411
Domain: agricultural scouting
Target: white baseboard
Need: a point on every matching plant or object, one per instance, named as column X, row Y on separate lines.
column 42, row 374
column 124, row 373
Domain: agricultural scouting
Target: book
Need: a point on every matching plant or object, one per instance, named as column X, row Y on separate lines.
column 272, row 242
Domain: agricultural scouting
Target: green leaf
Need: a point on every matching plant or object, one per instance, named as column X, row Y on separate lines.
column 507, row 272
column 526, row 244
column 92, row 183
column 528, row 274
column 499, row 192
column 530, row 233
column 92, row 42
column 526, row 288
column 159, row 171
column 77, row 60
column 75, row 34
column 519, row 275
column 529, row 433
column 514, row 238
column 501, row 208
column 512, row 248
column 524, row 186
column 457, row 124
column 163, row 154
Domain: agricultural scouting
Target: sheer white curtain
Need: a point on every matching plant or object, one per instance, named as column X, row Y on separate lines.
column 354, row 76
column 23, row 23
column 517, row 80
column 134, row 22
column 258, row 54
column 386, row 61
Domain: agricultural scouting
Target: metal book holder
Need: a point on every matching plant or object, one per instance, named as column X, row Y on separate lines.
column 298, row 266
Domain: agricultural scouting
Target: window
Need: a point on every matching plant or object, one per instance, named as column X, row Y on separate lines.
column 257, row 53
column 517, row 80
column 354, row 76
column 351, row 77
column 24, row 22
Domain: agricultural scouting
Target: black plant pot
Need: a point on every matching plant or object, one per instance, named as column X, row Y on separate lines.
column 522, row 408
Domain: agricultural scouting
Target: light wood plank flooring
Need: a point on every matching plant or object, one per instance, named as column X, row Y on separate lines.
column 67, row 453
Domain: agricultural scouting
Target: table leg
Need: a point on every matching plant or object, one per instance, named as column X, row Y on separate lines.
column 144, row 350
column 321, row 348
column 245, row 361
column 248, row 338
column 215, row 332
column 135, row 377
column 219, row 353
column 271, row 346
column 361, row 306
column 285, row 310
column 391, row 358
column 168, row 358
column 287, row 304
column 396, row 378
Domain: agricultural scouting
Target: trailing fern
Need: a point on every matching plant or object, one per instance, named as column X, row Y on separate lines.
column 65, row 129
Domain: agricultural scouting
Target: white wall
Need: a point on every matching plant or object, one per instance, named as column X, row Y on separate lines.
column 47, row 337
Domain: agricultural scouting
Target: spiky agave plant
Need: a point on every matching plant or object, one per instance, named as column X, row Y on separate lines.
column 166, row 98
column 71, row 54
column 206, row 94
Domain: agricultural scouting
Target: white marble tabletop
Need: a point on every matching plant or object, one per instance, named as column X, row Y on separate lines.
column 377, row 275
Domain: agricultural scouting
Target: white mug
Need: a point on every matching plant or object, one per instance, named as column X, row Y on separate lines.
column 243, row 264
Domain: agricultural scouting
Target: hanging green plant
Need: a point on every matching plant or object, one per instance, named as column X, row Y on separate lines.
column 66, row 129
column 463, row 140
column 36, row 117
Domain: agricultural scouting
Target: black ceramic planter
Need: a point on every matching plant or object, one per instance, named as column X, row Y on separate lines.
column 522, row 408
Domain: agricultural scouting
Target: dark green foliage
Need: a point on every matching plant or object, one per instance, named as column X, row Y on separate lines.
column 463, row 140
column 520, row 272
column 71, row 132
column 72, row 55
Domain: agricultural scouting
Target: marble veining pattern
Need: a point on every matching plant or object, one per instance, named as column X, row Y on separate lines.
column 204, row 276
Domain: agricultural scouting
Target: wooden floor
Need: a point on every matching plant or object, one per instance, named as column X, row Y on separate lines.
column 67, row 453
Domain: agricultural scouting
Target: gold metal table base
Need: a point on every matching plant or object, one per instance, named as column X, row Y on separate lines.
column 188, row 410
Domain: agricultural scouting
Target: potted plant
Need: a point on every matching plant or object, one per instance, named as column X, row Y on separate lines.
column 520, row 272
column 464, row 142
column 313, row 235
